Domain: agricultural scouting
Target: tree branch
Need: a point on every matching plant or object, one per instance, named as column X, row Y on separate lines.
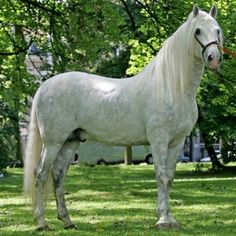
column 20, row 50
column 127, row 10
column 42, row 7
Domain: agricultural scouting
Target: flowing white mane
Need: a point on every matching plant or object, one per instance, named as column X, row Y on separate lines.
column 172, row 69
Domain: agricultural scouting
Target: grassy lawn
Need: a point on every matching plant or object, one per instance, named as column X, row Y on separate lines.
column 120, row 200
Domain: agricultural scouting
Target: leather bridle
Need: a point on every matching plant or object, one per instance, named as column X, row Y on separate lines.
column 204, row 47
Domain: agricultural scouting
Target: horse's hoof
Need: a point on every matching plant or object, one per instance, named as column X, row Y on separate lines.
column 163, row 226
column 166, row 226
column 70, row 226
column 42, row 227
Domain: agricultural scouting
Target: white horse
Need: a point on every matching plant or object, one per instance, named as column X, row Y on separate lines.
column 156, row 107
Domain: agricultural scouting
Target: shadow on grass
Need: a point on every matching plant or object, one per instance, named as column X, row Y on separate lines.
column 119, row 200
column 11, row 183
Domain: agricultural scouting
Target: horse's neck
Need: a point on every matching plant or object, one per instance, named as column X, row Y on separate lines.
column 195, row 76
column 184, row 70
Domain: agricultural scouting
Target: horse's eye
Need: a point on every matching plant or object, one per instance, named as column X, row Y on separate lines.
column 198, row 31
column 218, row 31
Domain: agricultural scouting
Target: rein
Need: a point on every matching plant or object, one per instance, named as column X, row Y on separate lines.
column 227, row 51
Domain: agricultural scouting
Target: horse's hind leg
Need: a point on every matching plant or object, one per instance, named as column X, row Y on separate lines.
column 42, row 172
column 60, row 167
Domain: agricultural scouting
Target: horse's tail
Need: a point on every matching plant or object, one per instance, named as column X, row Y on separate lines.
column 32, row 154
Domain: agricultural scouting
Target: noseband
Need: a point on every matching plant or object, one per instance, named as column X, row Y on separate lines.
column 204, row 47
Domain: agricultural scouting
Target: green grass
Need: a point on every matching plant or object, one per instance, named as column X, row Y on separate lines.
column 120, row 200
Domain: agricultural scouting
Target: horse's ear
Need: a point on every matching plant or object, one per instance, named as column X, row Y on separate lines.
column 195, row 10
column 213, row 11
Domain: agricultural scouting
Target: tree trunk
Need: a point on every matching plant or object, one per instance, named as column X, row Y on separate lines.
column 208, row 142
column 191, row 147
column 19, row 153
column 128, row 155
column 18, row 81
column 211, row 151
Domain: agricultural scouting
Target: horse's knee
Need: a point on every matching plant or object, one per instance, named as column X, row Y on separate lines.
column 41, row 177
column 45, row 165
column 58, row 177
column 164, row 180
column 59, row 171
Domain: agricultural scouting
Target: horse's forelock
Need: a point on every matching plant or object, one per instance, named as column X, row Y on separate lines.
column 202, row 18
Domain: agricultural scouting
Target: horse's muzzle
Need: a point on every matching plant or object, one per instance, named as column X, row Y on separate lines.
column 213, row 57
column 214, row 62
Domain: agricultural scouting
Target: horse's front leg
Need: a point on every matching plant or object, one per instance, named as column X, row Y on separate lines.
column 165, row 159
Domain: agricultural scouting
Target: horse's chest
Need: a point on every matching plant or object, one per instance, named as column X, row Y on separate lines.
column 182, row 122
column 175, row 122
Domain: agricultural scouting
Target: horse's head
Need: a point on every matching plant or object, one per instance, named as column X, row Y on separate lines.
column 208, row 37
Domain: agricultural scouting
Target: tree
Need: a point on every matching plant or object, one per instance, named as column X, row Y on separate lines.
column 15, row 81
column 79, row 35
column 217, row 93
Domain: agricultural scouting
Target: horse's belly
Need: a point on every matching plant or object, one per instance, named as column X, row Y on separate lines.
column 112, row 117
column 118, row 140
column 115, row 133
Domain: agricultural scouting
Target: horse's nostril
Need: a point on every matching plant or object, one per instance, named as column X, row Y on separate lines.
column 210, row 58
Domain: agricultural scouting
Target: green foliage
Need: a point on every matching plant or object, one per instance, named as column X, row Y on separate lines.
column 141, row 55
column 80, row 35
column 229, row 151
column 15, row 87
column 6, row 144
column 217, row 93
column 115, row 64
column 159, row 20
